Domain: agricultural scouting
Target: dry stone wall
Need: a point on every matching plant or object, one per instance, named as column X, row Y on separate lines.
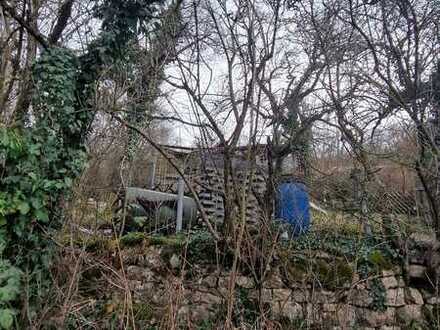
column 408, row 298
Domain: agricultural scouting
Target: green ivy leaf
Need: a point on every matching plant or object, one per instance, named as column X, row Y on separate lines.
column 42, row 215
column 68, row 181
column 23, row 207
column 4, row 137
column 6, row 318
column 36, row 203
column 7, row 293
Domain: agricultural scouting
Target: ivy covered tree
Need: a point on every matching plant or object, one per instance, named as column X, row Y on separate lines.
column 43, row 152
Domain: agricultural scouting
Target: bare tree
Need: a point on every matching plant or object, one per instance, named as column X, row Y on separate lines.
column 398, row 61
column 27, row 26
column 224, row 111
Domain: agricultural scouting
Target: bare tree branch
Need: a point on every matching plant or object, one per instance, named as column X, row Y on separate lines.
column 63, row 17
column 32, row 31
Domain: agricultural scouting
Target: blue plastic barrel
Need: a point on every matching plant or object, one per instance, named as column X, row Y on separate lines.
column 292, row 207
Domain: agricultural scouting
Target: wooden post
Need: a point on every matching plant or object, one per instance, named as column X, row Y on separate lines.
column 151, row 174
column 180, row 189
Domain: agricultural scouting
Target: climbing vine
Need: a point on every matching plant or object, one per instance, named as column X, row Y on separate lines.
column 371, row 256
column 39, row 166
column 39, row 163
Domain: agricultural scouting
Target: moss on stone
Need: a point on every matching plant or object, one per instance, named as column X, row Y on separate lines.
column 176, row 241
column 296, row 274
column 333, row 274
column 137, row 238
column 132, row 239
column 91, row 243
column 379, row 260
column 296, row 268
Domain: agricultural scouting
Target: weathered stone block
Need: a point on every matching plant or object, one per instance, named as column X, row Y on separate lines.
column 194, row 296
column 360, row 298
column 390, row 282
column 433, row 301
column 417, row 271
column 370, row 318
column 175, row 261
column 135, row 285
column 300, row 296
column 290, row 310
column 281, row 294
column 159, row 298
column 413, row 296
column 135, row 272
column 274, row 281
column 329, row 308
column 346, row 316
column 222, row 291
column 147, row 287
column 395, row 297
column 223, row 281
column 360, row 286
column 416, row 257
column 210, row 299
column 409, row 313
column 201, row 312
column 152, row 257
column 210, row 281
column 425, row 241
column 244, row 282
column 184, row 312
column 387, row 273
column 323, row 296
column 329, row 319
column 323, row 255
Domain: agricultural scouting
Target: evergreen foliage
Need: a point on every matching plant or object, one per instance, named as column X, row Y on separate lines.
column 39, row 163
